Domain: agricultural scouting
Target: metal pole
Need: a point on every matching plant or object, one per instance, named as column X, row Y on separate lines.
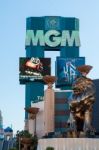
column 35, row 126
column 19, row 144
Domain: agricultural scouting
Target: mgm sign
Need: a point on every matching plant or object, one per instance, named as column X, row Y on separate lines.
column 52, row 38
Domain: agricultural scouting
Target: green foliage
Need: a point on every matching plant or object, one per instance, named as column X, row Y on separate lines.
column 50, row 148
column 26, row 134
column 20, row 134
column 34, row 142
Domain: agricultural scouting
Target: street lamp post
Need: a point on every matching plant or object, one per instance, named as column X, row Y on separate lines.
column 19, row 143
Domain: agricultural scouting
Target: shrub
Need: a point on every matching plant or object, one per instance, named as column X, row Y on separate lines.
column 50, row 148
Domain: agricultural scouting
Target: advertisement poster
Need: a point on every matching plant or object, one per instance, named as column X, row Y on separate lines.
column 33, row 69
column 66, row 71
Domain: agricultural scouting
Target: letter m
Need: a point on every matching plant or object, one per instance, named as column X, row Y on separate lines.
column 34, row 38
column 70, row 39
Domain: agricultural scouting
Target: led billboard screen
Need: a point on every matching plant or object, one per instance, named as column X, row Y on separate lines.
column 66, row 70
column 33, row 69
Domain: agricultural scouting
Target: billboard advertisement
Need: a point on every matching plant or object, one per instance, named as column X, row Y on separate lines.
column 66, row 70
column 33, row 69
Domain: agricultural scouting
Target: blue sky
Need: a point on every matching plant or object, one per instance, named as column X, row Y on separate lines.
column 13, row 16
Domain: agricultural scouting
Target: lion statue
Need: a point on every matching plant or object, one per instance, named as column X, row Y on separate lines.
column 83, row 98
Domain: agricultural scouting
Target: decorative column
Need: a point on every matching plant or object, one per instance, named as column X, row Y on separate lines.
column 49, row 108
column 32, row 116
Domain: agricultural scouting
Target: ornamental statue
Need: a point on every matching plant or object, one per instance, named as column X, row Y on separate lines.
column 81, row 105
